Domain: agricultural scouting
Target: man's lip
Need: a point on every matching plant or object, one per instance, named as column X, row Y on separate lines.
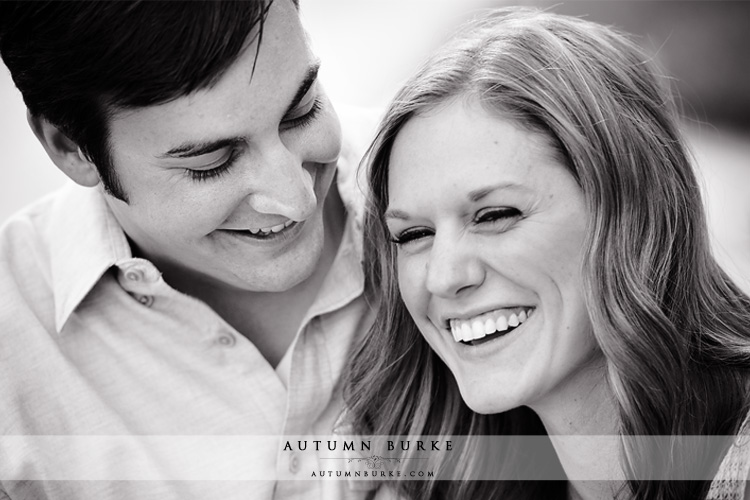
column 290, row 230
column 286, row 222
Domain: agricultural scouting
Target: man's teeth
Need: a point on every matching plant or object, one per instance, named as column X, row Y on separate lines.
column 476, row 328
column 272, row 229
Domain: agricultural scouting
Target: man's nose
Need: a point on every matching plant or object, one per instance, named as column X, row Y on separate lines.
column 284, row 185
column 453, row 267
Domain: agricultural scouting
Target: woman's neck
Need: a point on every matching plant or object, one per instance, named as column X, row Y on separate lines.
column 582, row 421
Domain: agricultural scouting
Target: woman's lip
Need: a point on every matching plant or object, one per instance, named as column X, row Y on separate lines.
column 466, row 316
column 495, row 322
column 488, row 347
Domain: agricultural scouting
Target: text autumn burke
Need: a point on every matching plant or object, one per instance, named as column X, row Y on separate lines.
column 419, row 445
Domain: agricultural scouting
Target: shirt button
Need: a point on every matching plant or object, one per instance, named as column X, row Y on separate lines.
column 226, row 340
column 294, row 464
column 146, row 300
column 139, row 271
column 134, row 275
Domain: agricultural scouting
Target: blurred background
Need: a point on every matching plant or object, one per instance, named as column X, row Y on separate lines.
column 369, row 46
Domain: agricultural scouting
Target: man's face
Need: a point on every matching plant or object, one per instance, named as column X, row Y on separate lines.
column 226, row 185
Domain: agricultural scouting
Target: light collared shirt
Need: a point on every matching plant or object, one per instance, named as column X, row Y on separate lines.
column 114, row 385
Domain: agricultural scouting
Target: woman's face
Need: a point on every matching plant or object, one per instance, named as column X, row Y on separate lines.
column 489, row 227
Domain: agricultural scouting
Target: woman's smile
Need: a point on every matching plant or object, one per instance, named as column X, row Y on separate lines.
column 488, row 226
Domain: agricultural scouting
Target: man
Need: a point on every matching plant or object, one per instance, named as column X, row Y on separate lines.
column 200, row 279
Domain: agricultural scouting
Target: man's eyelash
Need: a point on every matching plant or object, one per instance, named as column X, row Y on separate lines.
column 307, row 118
column 216, row 172
column 299, row 122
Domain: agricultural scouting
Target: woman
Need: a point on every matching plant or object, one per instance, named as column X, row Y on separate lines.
column 538, row 242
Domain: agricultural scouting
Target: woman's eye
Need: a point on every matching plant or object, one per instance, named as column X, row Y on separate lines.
column 205, row 174
column 411, row 235
column 496, row 214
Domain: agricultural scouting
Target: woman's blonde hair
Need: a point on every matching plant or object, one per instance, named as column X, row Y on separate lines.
column 672, row 326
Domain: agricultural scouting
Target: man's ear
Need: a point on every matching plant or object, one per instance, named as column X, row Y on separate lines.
column 64, row 152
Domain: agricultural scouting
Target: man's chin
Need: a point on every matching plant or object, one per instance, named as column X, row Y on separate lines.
column 286, row 273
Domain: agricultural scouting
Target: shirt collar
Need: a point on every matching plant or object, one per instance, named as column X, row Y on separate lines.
column 346, row 279
column 85, row 240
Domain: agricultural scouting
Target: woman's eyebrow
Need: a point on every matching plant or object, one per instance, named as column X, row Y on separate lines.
column 480, row 193
column 396, row 214
column 473, row 196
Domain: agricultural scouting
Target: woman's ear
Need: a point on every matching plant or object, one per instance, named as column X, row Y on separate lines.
column 64, row 152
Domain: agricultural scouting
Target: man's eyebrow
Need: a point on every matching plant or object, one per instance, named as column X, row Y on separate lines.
column 192, row 149
column 310, row 77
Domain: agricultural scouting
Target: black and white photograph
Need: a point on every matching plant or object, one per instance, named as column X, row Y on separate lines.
column 375, row 249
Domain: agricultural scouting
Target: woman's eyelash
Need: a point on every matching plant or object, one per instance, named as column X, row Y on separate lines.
column 307, row 118
column 488, row 215
column 495, row 214
column 410, row 235
column 213, row 173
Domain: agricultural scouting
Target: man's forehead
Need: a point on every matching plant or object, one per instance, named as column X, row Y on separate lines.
column 265, row 83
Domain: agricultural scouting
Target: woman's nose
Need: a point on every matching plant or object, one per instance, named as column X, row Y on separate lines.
column 453, row 267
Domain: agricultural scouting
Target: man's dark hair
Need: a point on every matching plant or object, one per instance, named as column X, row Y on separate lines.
column 77, row 62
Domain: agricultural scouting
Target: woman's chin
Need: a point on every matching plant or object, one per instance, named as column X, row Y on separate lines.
column 486, row 404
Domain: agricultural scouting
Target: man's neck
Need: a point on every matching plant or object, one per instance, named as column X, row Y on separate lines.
column 270, row 320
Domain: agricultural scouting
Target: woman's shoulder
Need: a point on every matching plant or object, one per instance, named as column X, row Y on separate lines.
column 387, row 492
column 734, row 472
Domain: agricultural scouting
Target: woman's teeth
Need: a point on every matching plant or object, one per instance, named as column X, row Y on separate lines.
column 466, row 330
column 273, row 229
